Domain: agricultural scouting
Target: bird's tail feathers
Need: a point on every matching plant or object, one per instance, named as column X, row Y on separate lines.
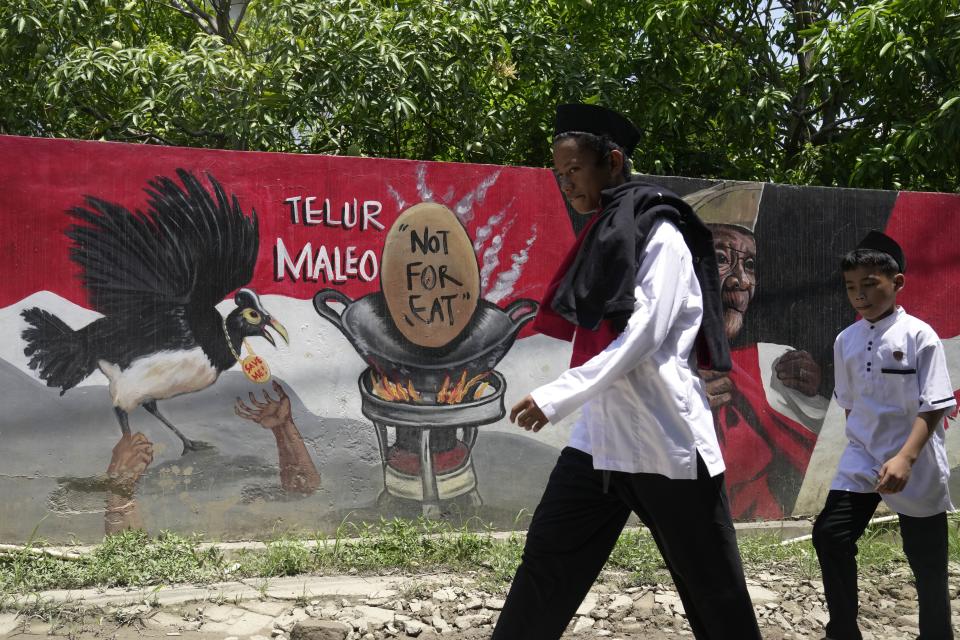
column 55, row 350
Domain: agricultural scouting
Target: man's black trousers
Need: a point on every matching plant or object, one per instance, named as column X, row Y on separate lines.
column 577, row 523
column 835, row 533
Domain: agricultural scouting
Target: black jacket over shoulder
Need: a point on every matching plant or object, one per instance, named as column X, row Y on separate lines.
column 600, row 282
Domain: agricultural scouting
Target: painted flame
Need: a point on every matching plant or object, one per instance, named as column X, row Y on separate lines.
column 385, row 389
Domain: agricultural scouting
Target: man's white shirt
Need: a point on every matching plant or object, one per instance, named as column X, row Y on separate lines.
column 645, row 409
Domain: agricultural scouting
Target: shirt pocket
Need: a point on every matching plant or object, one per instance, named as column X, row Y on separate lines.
column 898, row 378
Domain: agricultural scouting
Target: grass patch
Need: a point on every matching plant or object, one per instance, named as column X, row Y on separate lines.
column 765, row 552
column 130, row 558
column 283, row 557
column 421, row 546
column 637, row 554
column 135, row 559
column 881, row 547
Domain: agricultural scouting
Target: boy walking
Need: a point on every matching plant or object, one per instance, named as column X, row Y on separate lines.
column 891, row 377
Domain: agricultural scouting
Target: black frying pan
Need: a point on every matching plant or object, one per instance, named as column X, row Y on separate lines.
column 368, row 326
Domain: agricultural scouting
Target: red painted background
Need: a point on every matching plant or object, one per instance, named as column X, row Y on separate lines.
column 40, row 179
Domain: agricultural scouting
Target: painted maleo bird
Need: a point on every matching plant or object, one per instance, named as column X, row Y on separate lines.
column 156, row 278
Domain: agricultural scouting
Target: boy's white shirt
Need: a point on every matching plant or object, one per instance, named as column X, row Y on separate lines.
column 645, row 409
column 886, row 372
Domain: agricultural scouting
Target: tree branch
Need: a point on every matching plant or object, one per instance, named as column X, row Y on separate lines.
column 831, row 99
column 823, row 134
column 195, row 13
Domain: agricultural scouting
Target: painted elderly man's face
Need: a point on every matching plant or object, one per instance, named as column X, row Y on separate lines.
column 737, row 261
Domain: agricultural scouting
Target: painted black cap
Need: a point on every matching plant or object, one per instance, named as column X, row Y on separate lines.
column 883, row 243
column 591, row 118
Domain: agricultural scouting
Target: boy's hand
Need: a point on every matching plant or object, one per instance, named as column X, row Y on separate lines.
column 528, row 415
column 894, row 475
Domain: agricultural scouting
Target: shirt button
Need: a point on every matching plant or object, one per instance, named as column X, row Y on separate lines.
column 868, row 348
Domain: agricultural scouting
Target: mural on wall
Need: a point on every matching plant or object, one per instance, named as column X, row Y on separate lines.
column 147, row 290
column 767, row 410
column 298, row 473
column 431, row 344
column 147, row 287
column 156, row 278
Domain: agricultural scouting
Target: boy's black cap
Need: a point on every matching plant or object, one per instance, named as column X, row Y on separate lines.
column 591, row 118
column 885, row 244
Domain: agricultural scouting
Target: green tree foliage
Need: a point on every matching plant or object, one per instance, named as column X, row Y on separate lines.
column 808, row 91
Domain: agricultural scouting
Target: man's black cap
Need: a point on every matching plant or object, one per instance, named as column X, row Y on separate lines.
column 885, row 244
column 591, row 118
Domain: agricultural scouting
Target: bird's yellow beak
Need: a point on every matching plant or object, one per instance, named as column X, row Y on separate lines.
column 279, row 328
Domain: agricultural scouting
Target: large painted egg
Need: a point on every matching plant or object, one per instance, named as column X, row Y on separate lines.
column 429, row 275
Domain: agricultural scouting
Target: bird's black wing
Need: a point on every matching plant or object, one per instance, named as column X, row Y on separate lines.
column 122, row 339
column 190, row 248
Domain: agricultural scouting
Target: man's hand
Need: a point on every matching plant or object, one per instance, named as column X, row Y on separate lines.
column 528, row 415
column 797, row 370
column 719, row 387
column 894, row 475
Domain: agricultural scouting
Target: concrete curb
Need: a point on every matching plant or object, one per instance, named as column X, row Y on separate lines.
column 294, row 588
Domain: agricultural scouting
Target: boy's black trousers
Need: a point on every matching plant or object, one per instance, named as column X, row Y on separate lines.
column 835, row 533
column 577, row 523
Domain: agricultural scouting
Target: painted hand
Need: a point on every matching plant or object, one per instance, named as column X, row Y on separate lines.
column 270, row 414
column 719, row 387
column 797, row 370
column 527, row 414
column 131, row 457
column 894, row 475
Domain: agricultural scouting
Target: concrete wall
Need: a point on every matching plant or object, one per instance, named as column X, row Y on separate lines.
column 388, row 398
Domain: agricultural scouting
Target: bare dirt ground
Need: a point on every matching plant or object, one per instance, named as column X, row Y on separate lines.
column 789, row 607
